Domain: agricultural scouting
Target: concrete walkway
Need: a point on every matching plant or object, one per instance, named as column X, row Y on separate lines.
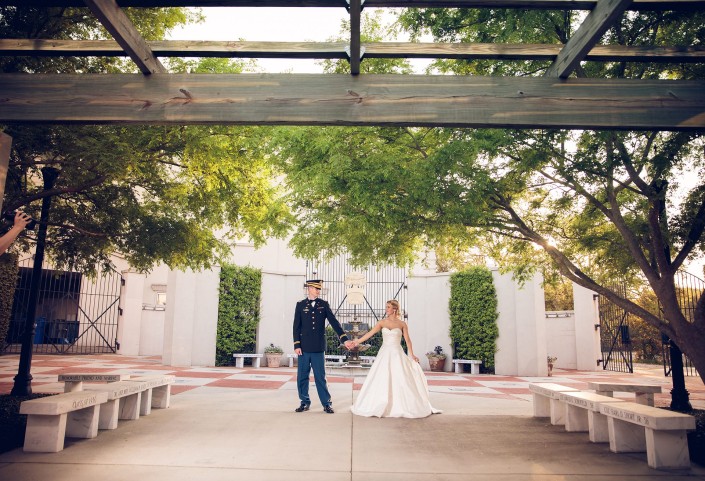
column 217, row 431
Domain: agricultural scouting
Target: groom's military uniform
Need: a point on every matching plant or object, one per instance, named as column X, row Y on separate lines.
column 310, row 336
column 310, row 325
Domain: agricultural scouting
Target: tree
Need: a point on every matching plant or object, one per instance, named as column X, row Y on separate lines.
column 153, row 194
column 597, row 204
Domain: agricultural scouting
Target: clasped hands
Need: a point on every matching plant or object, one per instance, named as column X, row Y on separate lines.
column 350, row 345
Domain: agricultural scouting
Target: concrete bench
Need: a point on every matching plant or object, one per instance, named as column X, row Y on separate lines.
column 335, row 358
column 240, row 359
column 582, row 413
column 124, row 401
column 644, row 393
column 474, row 365
column 291, row 359
column 158, row 392
column 547, row 401
column 661, row 433
column 50, row 419
column 74, row 381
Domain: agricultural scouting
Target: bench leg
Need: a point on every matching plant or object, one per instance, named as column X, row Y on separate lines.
column 83, row 423
column 130, row 406
column 146, row 403
column 291, row 362
column 576, row 419
column 626, row 437
column 45, row 434
column 597, row 424
column 542, row 408
column 161, row 396
column 72, row 386
column 474, row 369
column 240, row 362
column 255, row 362
column 458, row 369
column 109, row 413
column 645, row 398
column 667, row 449
column 557, row 412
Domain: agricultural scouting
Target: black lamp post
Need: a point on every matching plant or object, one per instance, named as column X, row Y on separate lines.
column 23, row 380
column 680, row 398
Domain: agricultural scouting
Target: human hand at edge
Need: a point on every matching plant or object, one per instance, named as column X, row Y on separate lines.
column 298, row 351
column 21, row 219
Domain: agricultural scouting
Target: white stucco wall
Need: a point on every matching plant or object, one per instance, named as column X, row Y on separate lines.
column 560, row 338
column 429, row 319
column 280, row 293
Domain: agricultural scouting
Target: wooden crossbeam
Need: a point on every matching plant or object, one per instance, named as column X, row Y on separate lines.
column 385, row 100
column 598, row 21
column 126, row 35
column 678, row 5
column 332, row 50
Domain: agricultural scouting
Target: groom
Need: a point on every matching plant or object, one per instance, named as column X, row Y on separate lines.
column 310, row 344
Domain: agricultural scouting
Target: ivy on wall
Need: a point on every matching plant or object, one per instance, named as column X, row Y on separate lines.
column 473, row 316
column 238, row 312
column 8, row 281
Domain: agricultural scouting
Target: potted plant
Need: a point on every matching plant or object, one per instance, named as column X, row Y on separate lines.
column 551, row 360
column 436, row 359
column 273, row 354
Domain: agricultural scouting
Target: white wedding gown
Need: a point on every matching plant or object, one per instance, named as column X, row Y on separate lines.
column 396, row 385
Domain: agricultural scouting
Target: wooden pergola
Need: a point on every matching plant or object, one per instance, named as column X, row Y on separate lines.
column 555, row 100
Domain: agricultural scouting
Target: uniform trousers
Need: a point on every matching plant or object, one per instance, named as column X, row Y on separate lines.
column 317, row 362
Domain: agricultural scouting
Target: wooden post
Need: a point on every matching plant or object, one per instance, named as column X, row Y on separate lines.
column 5, row 145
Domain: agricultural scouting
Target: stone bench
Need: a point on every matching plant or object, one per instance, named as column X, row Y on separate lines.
column 644, row 393
column 158, row 392
column 74, row 381
column 661, row 433
column 124, row 401
column 474, row 365
column 335, row 358
column 582, row 413
column 368, row 359
column 50, row 419
column 547, row 401
column 291, row 359
column 240, row 359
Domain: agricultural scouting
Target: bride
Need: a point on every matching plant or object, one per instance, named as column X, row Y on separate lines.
column 395, row 386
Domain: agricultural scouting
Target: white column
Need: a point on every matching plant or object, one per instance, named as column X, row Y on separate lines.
column 587, row 337
column 429, row 317
column 130, row 324
column 280, row 293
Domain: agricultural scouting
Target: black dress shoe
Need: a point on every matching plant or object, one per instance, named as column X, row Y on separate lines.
column 302, row 408
column 328, row 409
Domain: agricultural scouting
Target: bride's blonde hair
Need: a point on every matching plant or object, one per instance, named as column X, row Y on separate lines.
column 395, row 304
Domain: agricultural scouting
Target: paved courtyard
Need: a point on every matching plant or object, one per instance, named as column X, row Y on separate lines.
column 230, row 423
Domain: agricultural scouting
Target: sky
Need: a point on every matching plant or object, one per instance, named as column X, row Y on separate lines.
column 276, row 25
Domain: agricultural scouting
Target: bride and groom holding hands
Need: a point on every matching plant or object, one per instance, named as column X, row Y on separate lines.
column 395, row 386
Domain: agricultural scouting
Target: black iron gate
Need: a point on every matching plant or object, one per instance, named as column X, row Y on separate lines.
column 615, row 341
column 76, row 314
column 689, row 288
column 383, row 284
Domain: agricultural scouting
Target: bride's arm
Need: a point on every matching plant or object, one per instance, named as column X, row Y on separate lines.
column 370, row 333
column 409, row 347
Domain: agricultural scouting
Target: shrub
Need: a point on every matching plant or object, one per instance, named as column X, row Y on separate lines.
column 473, row 316
column 238, row 312
column 8, row 282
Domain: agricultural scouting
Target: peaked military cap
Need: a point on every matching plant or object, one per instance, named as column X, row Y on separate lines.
column 317, row 283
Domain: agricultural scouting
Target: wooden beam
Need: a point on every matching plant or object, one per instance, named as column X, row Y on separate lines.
column 126, row 35
column 678, row 5
column 333, row 50
column 605, row 14
column 386, row 100
column 355, row 53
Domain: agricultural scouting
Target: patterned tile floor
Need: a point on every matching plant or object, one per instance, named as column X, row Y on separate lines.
column 45, row 370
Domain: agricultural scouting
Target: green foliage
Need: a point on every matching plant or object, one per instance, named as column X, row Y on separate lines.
column 238, row 312
column 473, row 315
column 8, row 281
column 272, row 349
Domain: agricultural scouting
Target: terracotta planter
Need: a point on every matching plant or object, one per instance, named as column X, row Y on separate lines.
column 437, row 364
column 550, row 369
column 273, row 360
